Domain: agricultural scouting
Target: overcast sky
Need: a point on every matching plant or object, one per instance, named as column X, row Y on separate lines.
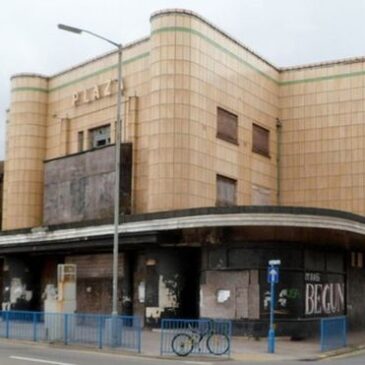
column 285, row 32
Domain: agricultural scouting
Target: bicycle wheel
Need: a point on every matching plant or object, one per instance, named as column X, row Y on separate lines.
column 218, row 344
column 182, row 344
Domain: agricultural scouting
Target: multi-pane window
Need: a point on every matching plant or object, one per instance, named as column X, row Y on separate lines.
column 260, row 140
column 226, row 191
column 99, row 136
column 227, row 126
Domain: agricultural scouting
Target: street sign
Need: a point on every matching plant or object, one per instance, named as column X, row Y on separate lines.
column 274, row 262
column 273, row 274
column 272, row 279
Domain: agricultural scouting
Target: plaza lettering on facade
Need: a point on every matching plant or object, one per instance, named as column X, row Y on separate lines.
column 94, row 93
column 323, row 298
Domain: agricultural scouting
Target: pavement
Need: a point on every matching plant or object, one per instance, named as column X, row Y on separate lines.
column 253, row 350
column 243, row 350
column 27, row 353
column 286, row 349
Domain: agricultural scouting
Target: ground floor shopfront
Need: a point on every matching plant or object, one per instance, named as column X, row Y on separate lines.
column 201, row 263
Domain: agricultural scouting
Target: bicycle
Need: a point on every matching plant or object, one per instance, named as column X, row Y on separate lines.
column 184, row 343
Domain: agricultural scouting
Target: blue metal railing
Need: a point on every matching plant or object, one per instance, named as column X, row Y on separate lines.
column 95, row 330
column 333, row 333
column 196, row 336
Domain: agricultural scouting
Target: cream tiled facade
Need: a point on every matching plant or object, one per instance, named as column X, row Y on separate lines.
column 323, row 151
column 173, row 82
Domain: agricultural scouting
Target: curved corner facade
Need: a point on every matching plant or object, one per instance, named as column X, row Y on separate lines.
column 25, row 152
column 196, row 70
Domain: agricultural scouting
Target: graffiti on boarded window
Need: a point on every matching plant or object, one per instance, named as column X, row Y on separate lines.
column 324, row 295
column 289, row 297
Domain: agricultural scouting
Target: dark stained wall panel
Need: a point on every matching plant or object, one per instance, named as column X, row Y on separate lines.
column 80, row 187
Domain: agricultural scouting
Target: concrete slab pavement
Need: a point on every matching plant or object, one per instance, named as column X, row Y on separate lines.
column 250, row 349
column 244, row 349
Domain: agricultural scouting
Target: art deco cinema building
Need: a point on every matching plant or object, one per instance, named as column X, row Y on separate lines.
column 227, row 162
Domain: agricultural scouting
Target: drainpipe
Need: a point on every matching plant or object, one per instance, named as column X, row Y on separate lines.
column 278, row 161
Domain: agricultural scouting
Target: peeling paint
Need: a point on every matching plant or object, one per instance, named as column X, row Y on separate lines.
column 142, row 292
column 169, row 292
column 153, row 312
column 18, row 291
column 168, row 297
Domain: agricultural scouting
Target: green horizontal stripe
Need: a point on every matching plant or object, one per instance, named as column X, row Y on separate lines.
column 242, row 61
column 324, row 78
column 20, row 88
column 101, row 71
column 88, row 76
column 208, row 40
column 216, row 45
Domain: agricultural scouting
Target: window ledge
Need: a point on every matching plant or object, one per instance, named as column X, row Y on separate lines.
column 263, row 154
column 227, row 139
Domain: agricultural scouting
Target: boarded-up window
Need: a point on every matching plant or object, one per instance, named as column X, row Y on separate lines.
column 226, row 191
column 260, row 140
column 227, row 125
